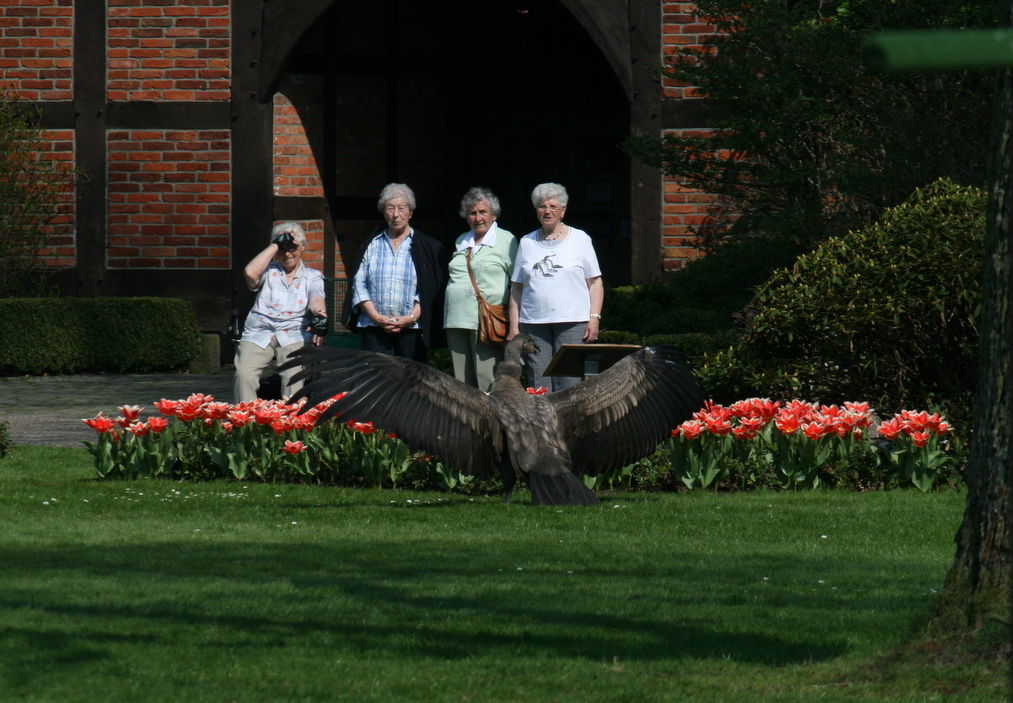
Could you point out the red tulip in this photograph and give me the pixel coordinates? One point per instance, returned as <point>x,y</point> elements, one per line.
<point>240,418</point>
<point>265,415</point>
<point>157,424</point>
<point>744,433</point>
<point>363,427</point>
<point>814,430</point>
<point>858,408</point>
<point>718,425</point>
<point>167,407</point>
<point>691,429</point>
<point>293,447</point>
<point>787,423</point>
<point>100,423</point>
<point>891,428</point>
<point>130,412</point>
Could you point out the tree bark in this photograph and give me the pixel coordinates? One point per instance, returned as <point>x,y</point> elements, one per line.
<point>977,588</point>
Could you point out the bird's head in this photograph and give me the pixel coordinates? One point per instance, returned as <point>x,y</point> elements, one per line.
<point>521,344</point>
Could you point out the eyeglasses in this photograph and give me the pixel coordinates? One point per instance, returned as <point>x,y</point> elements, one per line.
<point>548,208</point>
<point>399,209</point>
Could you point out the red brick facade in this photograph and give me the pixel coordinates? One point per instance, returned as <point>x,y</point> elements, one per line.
<point>35,48</point>
<point>59,146</point>
<point>179,77</point>
<point>175,50</point>
<point>683,207</point>
<point>169,199</point>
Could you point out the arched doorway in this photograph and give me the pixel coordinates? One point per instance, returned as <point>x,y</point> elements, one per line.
<point>448,94</point>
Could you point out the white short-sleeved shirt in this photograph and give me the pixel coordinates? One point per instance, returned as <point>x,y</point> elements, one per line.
<point>554,276</point>
<point>280,306</point>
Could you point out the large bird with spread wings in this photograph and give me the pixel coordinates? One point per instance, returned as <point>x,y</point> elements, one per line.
<point>604,423</point>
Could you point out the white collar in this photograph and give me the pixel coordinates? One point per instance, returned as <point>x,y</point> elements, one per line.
<point>489,240</point>
<point>383,233</point>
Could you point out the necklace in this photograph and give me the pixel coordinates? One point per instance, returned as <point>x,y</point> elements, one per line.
<point>554,235</point>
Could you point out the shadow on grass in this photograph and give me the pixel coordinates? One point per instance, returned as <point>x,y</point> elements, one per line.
<point>431,600</point>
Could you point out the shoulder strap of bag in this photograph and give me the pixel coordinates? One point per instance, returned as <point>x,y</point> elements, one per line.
<point>472,277</point>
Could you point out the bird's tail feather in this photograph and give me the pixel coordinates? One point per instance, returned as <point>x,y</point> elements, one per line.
<point>562,489</point>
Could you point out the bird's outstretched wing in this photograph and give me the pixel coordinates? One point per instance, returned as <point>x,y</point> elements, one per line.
<point>620,416</point>
<point>427,409</point>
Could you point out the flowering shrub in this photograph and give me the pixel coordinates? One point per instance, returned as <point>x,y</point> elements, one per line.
<point>796,442</point>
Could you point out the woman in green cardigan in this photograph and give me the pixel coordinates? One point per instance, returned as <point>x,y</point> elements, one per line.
<point>493,251</point>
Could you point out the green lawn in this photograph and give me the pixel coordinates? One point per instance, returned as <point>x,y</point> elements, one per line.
<point>159,591</point>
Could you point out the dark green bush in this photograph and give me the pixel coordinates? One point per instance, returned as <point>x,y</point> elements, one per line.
<point>693,345</point>
<point>5,440</point>
<point>886,315</point>
<point>702,298</point>
<point>75,335</point>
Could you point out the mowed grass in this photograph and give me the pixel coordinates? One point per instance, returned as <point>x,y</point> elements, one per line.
<point>161,591</point>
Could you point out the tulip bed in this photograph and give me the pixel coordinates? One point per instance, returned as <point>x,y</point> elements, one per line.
<point>752,443</point>
<point>799,444</point>
<point>201,438</point>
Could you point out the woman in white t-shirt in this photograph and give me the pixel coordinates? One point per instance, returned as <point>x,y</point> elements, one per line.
<point>556,290</point>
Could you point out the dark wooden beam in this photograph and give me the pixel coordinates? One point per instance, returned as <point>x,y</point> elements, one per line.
<point>90,144</point>
<point>646,185</point>
<point>288,21</point>
<point>679,113</point>
<point>55,114</point>
<point>252,155</point>
<point>299,208</point>
<point>165,114</point>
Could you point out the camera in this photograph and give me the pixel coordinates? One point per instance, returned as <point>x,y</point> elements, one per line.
<point>285,241</point>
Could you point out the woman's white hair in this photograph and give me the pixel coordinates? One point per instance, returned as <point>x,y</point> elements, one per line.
<point>396,190</point>
<point>293,228</point>
<point>479,195</point>
<point>546,191</point>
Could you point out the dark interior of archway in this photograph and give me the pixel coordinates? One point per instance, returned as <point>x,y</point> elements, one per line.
<point>447,94</point>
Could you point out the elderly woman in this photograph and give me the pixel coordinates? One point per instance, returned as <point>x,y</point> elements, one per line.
<point>556,291</point>
<point>289,294</point>
<point>490,253</point>
<point>397,283</point>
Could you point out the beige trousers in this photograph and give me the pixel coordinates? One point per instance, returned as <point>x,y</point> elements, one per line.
<point>251,361</point>
<point>474,362</point>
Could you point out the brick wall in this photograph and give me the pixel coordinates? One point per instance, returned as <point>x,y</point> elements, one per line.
<point>683,207</point>
<point>169,199</point>
<point>58,145</point>
<point>169,192</point>
<point>35,48</point>
<point>298,111</point>
<point>168,50</point>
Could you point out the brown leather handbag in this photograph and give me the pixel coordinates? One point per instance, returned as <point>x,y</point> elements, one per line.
<point>492,319</point>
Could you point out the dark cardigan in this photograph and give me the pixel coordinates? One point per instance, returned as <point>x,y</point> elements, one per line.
<point>430,270</point>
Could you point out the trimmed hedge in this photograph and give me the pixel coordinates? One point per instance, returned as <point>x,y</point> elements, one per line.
<point>89,335</point>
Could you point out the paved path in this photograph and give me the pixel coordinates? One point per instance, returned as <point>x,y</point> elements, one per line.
<point>47,410</point>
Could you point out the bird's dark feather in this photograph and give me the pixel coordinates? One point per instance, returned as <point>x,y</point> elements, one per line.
<point>427,409</point>
<point>621,415</point>
<point>604,423</point>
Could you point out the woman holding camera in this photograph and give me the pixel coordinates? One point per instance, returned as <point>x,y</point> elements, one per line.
<point>290,310</point>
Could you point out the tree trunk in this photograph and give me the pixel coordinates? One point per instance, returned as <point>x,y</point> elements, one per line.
<point>977,588</point>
